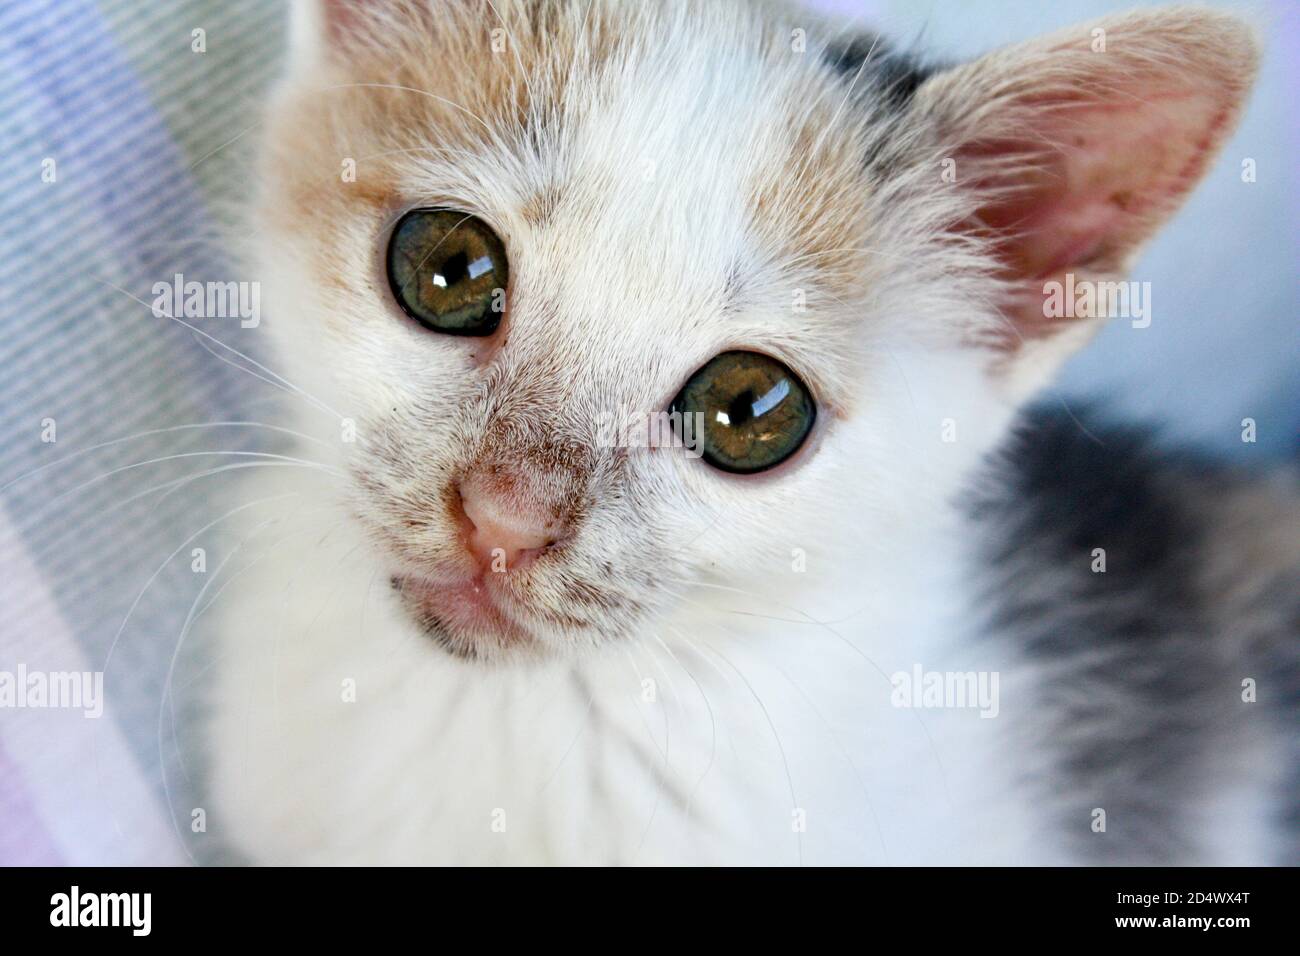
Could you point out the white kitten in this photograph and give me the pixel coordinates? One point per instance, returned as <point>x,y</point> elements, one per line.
<point>492,637</point>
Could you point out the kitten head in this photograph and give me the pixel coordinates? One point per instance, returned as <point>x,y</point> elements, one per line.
<point>494,234</point>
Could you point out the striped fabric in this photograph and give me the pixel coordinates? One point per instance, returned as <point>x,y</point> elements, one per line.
<point>109,101</point>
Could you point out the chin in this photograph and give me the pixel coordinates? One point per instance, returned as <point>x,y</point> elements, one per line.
<point>464,619</point>
<point>480,619</point>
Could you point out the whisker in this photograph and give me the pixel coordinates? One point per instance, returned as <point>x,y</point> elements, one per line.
<point>215,521</point>
<point>519,61</point>
<point>789,778</point>
<point>112,647</point>
<point>46,505</point>
<point>713,726</point>
<point>662,771</point>
<point>830,732</point>
<point>410,89</point>
<point>238,136</point>
<point>311,399</point>
<point>180,639</point>
<point>816,148</point>
<point>645,721</point>
<point>582,728</point>
<point>180,483</point>
<point>156,431</point>
<point>229,580</point>
<point>50,542</point>
<point>666,751</point>
<point>279,632</point>
<point>235,365</point>
<point>809,619</point>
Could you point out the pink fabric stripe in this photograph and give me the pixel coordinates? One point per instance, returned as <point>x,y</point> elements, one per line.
<point>73,778</point>
<point>24,841</point>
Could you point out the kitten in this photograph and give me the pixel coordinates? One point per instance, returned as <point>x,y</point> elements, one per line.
<point>863,616</point>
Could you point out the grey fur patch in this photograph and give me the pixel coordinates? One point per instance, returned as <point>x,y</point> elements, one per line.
<point>892,75</point>
<point>883,81</point>
<point>1140,694</point>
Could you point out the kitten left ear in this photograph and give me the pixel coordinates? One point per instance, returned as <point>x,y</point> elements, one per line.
<point>1079,145</point>
<point>317,27</point>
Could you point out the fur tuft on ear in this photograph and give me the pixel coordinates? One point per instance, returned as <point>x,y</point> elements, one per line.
<point>1079,145</point>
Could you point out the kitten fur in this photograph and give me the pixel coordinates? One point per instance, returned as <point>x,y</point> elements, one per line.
<point>709,679</point>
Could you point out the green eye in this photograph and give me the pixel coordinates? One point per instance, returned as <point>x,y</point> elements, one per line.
<point>448,271</point>
<point>756,411</point>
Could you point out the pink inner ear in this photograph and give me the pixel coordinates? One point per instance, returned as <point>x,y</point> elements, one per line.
<point>1113,170</point>
<point>343,18</point>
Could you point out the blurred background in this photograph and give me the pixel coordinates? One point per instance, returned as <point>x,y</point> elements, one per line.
<point>123,149</point>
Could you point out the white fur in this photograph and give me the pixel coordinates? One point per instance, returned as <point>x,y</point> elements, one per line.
<point>771,686</point>
<point>781,685</point>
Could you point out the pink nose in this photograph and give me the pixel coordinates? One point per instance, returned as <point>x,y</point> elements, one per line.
<point>504,533</point>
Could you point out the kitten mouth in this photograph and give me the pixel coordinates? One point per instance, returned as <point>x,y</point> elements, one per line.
<point>460,615</point>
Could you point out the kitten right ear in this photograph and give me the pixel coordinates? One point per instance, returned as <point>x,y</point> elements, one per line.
<point>1078,146</point>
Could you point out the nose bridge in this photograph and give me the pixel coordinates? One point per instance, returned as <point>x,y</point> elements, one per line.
<point>534,399</point>
<point>532,458</point>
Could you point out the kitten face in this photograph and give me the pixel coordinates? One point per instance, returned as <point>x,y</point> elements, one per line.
<point>664,192</point>
<point>639,248</point>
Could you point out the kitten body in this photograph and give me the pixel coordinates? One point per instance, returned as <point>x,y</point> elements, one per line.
<point>720,669</point>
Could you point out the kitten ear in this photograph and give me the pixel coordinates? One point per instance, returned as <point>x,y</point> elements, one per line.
<point>1081,144</point>
<point>317,27</point>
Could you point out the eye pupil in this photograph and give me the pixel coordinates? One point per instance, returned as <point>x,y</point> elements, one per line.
<point>452,271</point>
<point>448,270</point>
<point>756,412</point>
<point>741,410</point>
